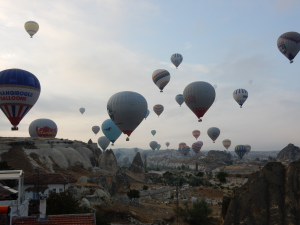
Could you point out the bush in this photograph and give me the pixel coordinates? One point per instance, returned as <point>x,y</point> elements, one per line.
<point>197,214</point>
<point>133,194</point>
<point>238,175</point>
<point>215,187</point>
<point>222,176</point>
<point>145,187</point>
<point>200,174</point>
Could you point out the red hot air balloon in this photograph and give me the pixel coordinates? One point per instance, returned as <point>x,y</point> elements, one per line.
<point>19,91</point>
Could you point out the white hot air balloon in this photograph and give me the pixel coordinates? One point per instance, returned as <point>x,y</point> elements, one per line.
<point>95,129</point>
<point>199,96</point>
<point>289,44</point>
<point>161,78</point>
<point>153,145</point>
<point>43,128</point>
<point>179,99</point>
<point>103,142</point>
<point>240,96</point>
<point>127,109</point>
<point>176,59</point>
<point>82,110</point>
<point>213,133</point>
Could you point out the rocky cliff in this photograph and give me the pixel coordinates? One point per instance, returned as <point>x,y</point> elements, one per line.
<point>108,162</point>
<point>290,153</point>
<point>270,196</point>
<point>136,169</point>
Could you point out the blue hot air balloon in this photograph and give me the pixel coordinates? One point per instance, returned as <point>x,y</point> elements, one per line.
<point>118,154</point>
<point>110,130</point>
<point>147,114</point>
<point>19,91</point>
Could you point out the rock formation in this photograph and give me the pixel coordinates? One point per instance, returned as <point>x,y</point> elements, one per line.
<point>136,169</point>
<point>219,155</point>
<point>290,152</point>
<point>270,196</point>
<point>120,186</point>
<point>108,162</point>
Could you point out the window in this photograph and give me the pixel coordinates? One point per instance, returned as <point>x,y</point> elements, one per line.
<point>60,190</point>
<point>54,190</point>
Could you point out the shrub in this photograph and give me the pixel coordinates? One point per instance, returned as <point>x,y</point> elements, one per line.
<point>238,175</point>
<point>145,187</point>
<point>222,176</point>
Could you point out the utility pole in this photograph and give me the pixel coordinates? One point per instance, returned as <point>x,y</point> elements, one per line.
<point>38,186</point>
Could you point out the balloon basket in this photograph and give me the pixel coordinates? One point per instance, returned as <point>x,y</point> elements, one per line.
<point>200,120</point>
<point>112,144</point>
<point>161,91</point>
<point>127,139</point>
<point>14,128</point>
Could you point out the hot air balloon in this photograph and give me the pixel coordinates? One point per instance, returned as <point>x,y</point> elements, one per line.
<point>179,99</point>
<point>43,128</point>
<point>158,109</point>
<point>127,110</point>
<point>167,144</point>
<point>185,150</point>
<point>240,150</point>
<point>103,142</point>
<point>118,154</point>
<point>197,146</point>
<point>82,110</point>
<point>136,150</point>
<point>240,96</point>
<point>250,81</point>
<point>248,148</point>
<point>125,159</point>
<point>161,78</point>
<point>158,146</point>
<point>289,44</point>
<point>199,96</point>
<point>153,132</point>
<point>31,27</point>
<point>95,129</point>
<point>181,144</point>
<point>213,133</point>
<point>147,114</point>
<point>196,133</point>
<point>110,130</point>
<point>19,91</point>
<point>215,86</point>
<point>153,145</point>
<point>226,143</point>
<point>176,59</point>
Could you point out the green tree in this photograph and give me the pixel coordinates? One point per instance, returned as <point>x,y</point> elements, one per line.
<point>183,167</point>
<point>197,214</point>
<point>222,176</point>
<point>5,166</point>
<point>145,187</point>
<point>200,174</point>
<point>133,193</point>
<point>196,166</point>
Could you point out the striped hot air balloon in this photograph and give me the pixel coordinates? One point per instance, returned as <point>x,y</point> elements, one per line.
<point>158,109</point>
<point>181,144</point>
<point>226,143</point>
<point>179,99</point>
<point>248,147</point>
<point>289,44</point>
<point>19,91</point>
<point>176,59</point>
<point>240,150</point>
<point>31,27</point>
<point>161,78</point>
<point>197,146</point>
<point>95,129</point>
<point>185,150</point>
<point>196,133</point>
<point>240,96</point>
<point>199,96</point>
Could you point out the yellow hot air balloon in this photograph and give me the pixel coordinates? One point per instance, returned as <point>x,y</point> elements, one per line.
<point>31,27</point>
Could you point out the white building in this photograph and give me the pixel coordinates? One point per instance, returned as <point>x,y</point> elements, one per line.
<point>45,183</point>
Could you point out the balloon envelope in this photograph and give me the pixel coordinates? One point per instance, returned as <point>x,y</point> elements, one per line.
<point>185,150</point>
<point>240,96</point>
<point>110,130</point>
<point>158,109</point>
<point>176,59</point>
<point>127,110</point>
<point>181,144</point>
<point>19,91</point>
<point>82,110</point>
<point>179,99</point>
<point>153,145</point>
<point>213,133</point>
<point>153,132</point>
<point>95,129</point>
<point>147,114</point>
<point>199,96</point>
<point>31,27</point>
<point>289,44</point>
<point>226,143</point>
<point>103,142</point>
<point>43,128</point>
<point>197,146</point>
<point>161,78</point>
<point>248,147</point>
<point>136,150</point>
<point>158,146</point>
<point>196,133</point>
<point>240,150</point>
<point>118,154</point>
<point>167,144</point>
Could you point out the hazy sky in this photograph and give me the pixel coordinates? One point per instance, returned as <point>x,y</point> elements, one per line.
<point>88,50</point>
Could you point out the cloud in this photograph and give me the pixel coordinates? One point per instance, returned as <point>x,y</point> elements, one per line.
<point>187,45</point>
